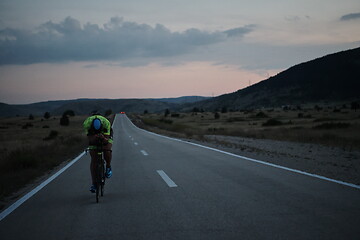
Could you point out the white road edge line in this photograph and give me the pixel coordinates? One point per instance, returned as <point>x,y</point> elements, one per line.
<point>38,188</point>
<point>144,153</point>
<point>255,160</point>
<point>166,178</point>
<point>18,203</point>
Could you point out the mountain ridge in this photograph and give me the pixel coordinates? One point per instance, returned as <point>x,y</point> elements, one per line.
<point>334,77</point>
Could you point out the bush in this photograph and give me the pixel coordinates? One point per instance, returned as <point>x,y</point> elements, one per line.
<point>47,115</point>
<point>261,115</point>
<point>272,122</point>
<point>69,113</point>
<point>52,135</point>
<point>332,125</point>
<point>216,115</point>
<point>27,125</point>
<point>31,117</point>
<point>64,121</point>
<point>167,121</point>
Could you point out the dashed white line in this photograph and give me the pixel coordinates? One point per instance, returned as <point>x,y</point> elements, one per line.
<point>144,153</point>
<point>166,178</point>
<point>254,160</point>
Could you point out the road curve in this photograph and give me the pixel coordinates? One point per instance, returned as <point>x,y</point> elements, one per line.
<point>166,189</point>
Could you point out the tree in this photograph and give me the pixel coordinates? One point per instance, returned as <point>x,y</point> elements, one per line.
<point>31,117</point>
<point>355,106</point>
<point>69,113</point>
<point>167,112</point>
<point>224,110</point>
<point>146,111</point>
<point>47,115</point>
<point>196,110</point>
<point>64,120</point>
<point>216,115</point>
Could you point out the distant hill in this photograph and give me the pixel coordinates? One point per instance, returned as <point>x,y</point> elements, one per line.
<point>86,106</point>
<point>335,77</point>
<point>182,100</point>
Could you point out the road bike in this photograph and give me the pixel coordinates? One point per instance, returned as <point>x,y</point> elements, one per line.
<point>99,172</point>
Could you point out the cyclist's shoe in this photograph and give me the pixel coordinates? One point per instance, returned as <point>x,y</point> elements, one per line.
<point>93,188</point>
<point>108,172</point>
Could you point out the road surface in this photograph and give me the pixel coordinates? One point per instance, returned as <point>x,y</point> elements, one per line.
<point>166,189</point>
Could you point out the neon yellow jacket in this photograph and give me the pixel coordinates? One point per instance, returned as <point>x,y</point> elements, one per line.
<point>106,130</point>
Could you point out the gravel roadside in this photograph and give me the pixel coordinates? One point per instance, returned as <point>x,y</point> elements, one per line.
<point>331,162</point>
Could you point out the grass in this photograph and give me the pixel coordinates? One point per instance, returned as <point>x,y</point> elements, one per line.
<point>337,129</point>
<point>31,148</point>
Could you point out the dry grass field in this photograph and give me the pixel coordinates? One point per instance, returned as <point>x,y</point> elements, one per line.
<point>324,141</point>
<point>328,126</point>
<point>31,148</point>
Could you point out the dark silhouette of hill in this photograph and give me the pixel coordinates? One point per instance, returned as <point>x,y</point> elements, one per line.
<point>335,77</point>
<point>86,106</point>
<point>182,100</point>
<point>331,78</point>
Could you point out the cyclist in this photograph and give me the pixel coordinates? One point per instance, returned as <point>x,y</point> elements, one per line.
<point>98,129</point>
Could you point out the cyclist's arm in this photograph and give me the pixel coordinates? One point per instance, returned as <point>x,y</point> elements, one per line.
<point>107,127</point>
<point>87,125</point>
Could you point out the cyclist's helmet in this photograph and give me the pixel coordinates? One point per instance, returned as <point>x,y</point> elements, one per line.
<point>96,124</point>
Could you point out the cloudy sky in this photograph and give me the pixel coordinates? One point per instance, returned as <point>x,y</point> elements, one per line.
<point>67,49</point>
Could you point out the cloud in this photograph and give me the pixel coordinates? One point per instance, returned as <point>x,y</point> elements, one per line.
<point>115,40</point>
<point>350,16</point>
<point>239,32</point>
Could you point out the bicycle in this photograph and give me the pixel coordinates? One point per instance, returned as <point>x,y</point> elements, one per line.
<point>99,172</point>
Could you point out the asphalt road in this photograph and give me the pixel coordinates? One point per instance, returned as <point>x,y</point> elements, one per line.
<point>166,189</point>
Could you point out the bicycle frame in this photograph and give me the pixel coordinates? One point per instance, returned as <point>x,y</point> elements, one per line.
<point>99,172</point>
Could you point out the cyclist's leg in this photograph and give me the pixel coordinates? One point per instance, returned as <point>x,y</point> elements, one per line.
<point>108,154</point>
<point>93,155</point>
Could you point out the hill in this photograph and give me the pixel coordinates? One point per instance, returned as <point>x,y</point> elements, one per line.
<point>331,78</point>
<point>86,106</point>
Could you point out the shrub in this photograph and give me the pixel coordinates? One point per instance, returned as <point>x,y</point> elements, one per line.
<point>52,135</point>
<point>27,125</point>
<point>69,113</point>
<point>167,112</point>
<point>64,121</point>
<point>332,125</point>
<point>195,109</point>
<point>47,115</point>
<point>31,117</point>
<point>175,115</point>
<point>167,121</point>
<point>216,115</point>
<point>272,122</point>
<point>261,115</point>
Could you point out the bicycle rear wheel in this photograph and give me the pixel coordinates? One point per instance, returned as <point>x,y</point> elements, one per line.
<point>102,186</point>
<point>99,173</point>
<point>97,194</point>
